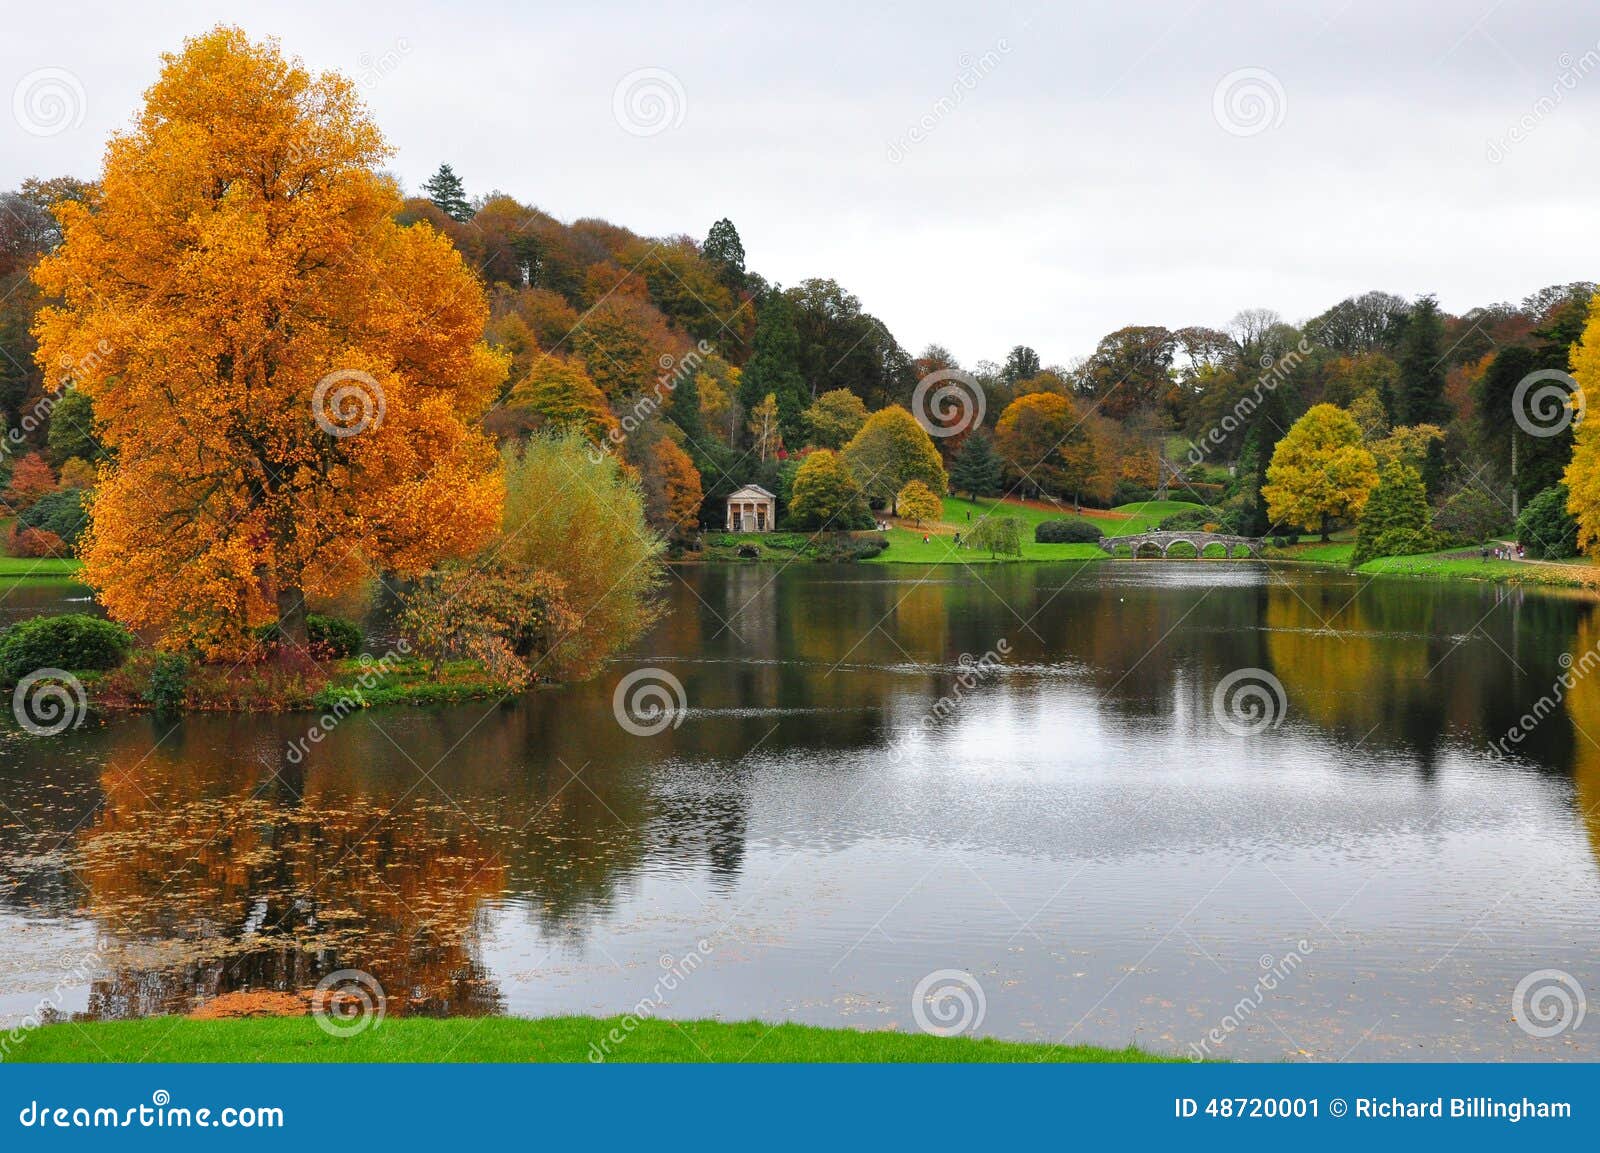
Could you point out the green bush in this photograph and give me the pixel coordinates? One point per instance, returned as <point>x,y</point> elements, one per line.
<point>60,512</point>
<point>1546,529</point>
<point>1189,520</point>
<point>169,682</point>
<point>74,642</point>
<point>839,548</point>
<point>335,636</point>
<point>1067,532</point>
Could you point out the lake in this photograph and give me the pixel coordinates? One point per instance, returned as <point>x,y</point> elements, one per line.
<point>1007,799</point>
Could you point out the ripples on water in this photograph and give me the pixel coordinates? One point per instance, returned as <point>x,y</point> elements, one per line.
<point>1072,827</point>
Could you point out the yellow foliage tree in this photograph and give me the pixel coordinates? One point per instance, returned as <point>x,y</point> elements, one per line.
<point>285,374</point>
<point>918,503</point>
<point>1320,470</point>
<point>1583,473</point>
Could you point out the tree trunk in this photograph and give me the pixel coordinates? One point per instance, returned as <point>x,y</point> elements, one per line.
<point>292,619</point>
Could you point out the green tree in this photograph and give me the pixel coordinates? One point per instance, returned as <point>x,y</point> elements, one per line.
<point>891,449</point>
<point>1395,521</point>
<point>774,367</point>
<point>1022,363</point>
<point>725,251</point>
<point>1546,529</point>
<point>976,469</point>
<point>999,535</point>
<point>72,428</point>
<point>825,495</point>
<point>1419,396</point>
<point>594,540</point>
<point>918,503</point>
<point>835,417</point>
<point>1471,516</point>
<point>1320,471</point>
<point>448,194</point>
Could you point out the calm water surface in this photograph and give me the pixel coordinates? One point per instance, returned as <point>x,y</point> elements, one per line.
<point>817,834</point>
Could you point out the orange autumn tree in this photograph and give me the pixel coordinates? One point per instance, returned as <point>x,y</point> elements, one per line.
<point>286,376</point>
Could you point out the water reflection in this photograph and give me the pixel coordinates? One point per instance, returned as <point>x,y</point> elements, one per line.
<point>1076,829</point>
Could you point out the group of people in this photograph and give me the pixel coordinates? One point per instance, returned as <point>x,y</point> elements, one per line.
<point>1505,552</point>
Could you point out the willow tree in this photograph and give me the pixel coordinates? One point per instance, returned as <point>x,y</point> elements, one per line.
<point>285,376</point>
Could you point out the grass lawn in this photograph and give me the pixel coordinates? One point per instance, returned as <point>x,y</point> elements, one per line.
<point>1332,552</point>
<point>906,547</point>
<point>1119,521</point>
<point>510,1039</point>
<point>1471,566</point>
<point>12,567</point>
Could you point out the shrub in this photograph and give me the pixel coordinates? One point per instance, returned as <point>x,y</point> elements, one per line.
<point>1189,520</point>
<point>168,683</point>
<point>1546,529</point>
<point>31,543</point>
<point>1067,532</point>
<point>334,637</point>
<point>74,642</point>
<point>60,512</point>
<point>1000,535</point>
<point>840,548</point>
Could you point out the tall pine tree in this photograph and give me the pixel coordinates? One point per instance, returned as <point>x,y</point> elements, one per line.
<point>1419,396</point>
<point>448,194</point>
<point>774,366</point>
<point>725,251</point>
<point>976,469</point>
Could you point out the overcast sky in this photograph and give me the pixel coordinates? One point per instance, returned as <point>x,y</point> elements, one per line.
<point>978,174</point>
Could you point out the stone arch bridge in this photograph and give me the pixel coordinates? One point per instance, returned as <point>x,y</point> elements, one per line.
<point>1200,541</point>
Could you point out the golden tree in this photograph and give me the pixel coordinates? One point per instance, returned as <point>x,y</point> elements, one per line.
<point>1583,473</point>
<point>285,374</point>
<point>1320,470</point>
